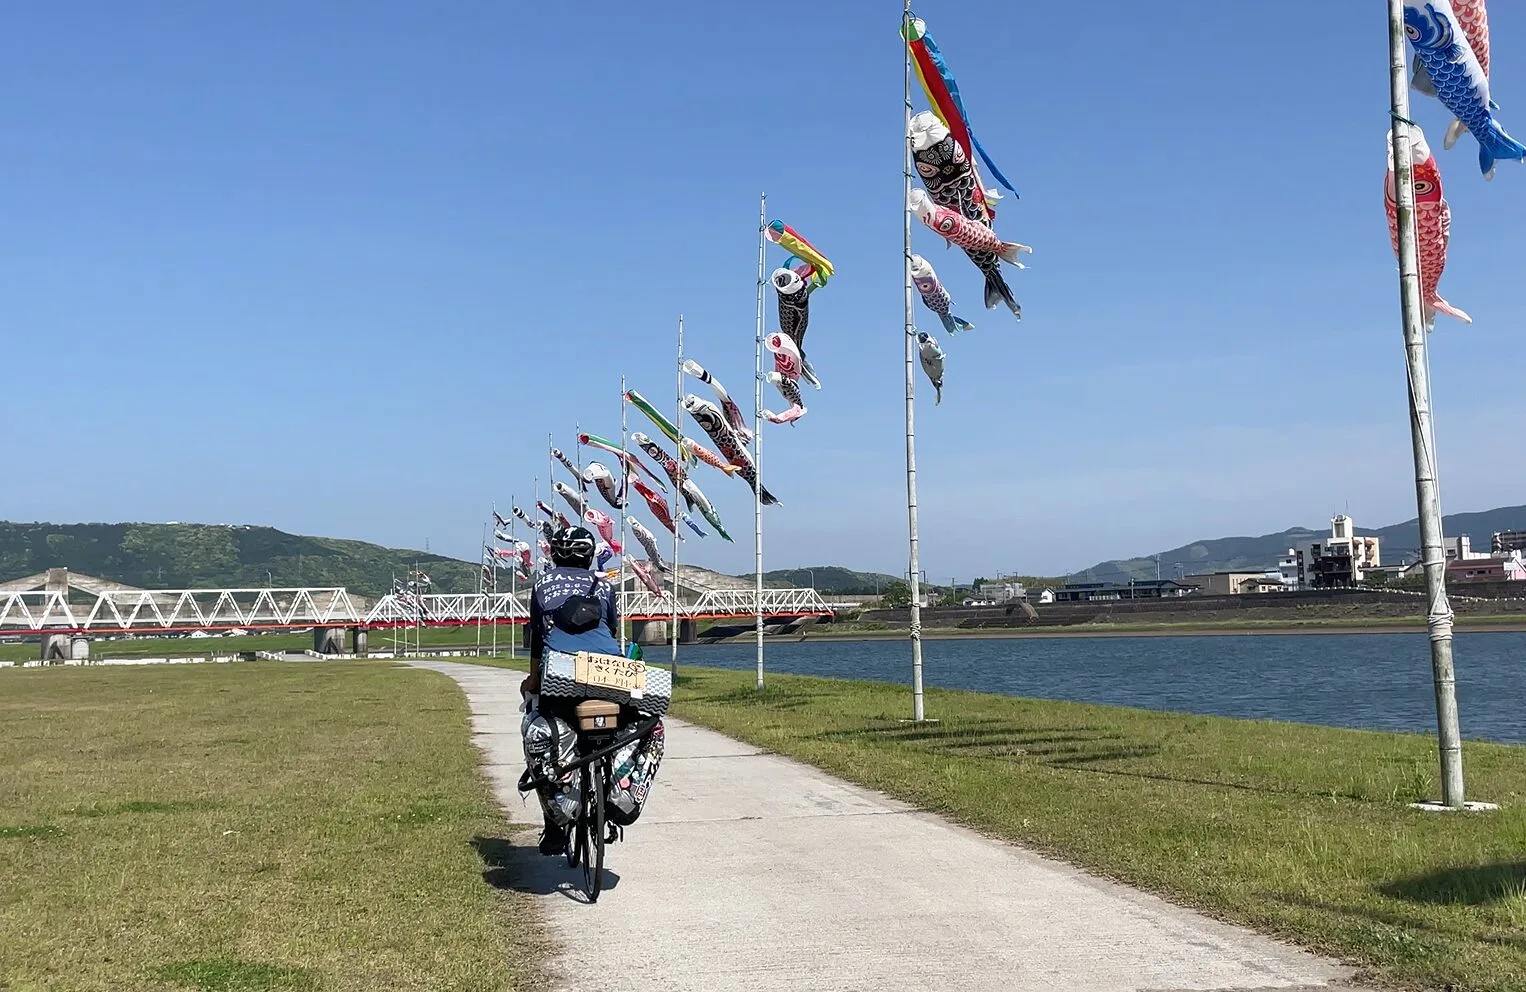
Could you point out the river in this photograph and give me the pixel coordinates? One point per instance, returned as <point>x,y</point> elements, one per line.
<point>1368,681</point>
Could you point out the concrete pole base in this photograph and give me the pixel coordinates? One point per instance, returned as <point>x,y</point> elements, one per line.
<point>1435,806</point>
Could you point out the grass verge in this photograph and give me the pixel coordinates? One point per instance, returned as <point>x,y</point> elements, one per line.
<point>1299,831</point>
<point>248,827</point>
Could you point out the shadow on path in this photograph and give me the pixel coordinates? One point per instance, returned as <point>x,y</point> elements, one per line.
<point>522,868</point>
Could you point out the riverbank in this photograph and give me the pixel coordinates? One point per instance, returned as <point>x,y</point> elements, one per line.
<point>1302,832</point>
<point>1504,624</point>
<point>252,826</point>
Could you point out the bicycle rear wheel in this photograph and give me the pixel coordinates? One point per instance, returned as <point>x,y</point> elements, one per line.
<point>594,830</point>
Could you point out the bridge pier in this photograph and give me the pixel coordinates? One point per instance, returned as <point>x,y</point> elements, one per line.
<point>688,631</point>
<point>328,640</point>
<point>358,640</point>
<point>55,648</point>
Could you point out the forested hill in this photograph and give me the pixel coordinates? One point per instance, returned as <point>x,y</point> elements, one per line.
<point>181,556</point>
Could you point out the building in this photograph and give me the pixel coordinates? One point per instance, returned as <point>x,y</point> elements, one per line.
<point>1101,592</point>
<point>1506,541</point>
<point>1487,569</point>
<point>1222,583</point>
<point>1341,560</point>
<point>1269,582</point>
<point>1461,549</point>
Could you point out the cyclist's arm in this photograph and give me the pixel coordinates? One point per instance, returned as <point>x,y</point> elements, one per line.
<point>612,613</point>
<point>537,643</point>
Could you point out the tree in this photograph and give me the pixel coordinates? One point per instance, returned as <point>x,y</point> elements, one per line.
<point>896,595</point>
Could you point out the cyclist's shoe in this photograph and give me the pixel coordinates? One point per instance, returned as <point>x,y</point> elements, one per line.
<point>553,840</point>
<point>616,832</point>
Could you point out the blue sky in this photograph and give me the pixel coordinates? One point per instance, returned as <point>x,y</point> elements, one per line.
<point>339,268</point>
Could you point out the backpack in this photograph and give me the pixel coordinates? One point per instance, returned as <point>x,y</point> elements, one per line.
<point>580,614</point>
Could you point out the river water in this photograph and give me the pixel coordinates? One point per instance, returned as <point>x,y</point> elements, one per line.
<point>1369,681</point>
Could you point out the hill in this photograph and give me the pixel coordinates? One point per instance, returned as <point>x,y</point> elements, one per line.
<point>1254,553</point>
<point>180,556</point>
<point>829,580</point>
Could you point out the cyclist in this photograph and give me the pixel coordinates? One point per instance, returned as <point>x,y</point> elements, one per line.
<point>572,608</point>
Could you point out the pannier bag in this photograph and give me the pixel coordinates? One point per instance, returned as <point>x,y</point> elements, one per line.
<point>545,736</point>
<point>635,767</point>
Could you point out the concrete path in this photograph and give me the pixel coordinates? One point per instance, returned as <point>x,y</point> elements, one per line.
<point>750,871</point>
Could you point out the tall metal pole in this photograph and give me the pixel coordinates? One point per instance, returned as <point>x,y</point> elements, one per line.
<point>482,585</point>
<point>624,448</point>
<point>757,441</point>
<point>914,573</point>
<point>678,414</point>
<point>1427,489</point>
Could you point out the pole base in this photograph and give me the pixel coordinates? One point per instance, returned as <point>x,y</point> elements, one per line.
<point>1432,806</point>
<point>925,719</point>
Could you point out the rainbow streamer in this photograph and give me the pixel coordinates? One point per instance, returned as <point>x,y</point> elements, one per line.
<point>789,239</point>
<point>943,96</point>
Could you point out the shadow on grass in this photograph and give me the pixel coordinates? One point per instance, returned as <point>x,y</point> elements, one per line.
<point>1091,750</point>
<point>1468,885</point>
<point>522,868</point>
<point>234,975</point>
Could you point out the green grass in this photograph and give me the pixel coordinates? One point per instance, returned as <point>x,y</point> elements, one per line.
<point>1302,832</point>
<point>260,826</point>
<point>191,647</point>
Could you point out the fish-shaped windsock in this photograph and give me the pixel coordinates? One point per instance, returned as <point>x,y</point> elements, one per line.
<point>522,515</point>
<point>728,405</point>
<point>787,360</point>
<point>567,464</point>
<point>951,182</point>
<point>653,414</point>
<point>631,462</point>
<point>545,508</point>
<point>962,231</point>
<point>601,522</point>
<point>791,393</point>
<point>794,315</point>
<point>522,551</point>
<point>602,554</point>
<point>544,545</point>
<point>1475,24</point>
<point>503,535</point>
<point>935,296</point>
<point>1442,48</point>
<point>932,362</point>
<point>648,542</point>
<point>602,479</point>
<point>699,501</point>
<point>656,504</point>
<point>688,522</point>
<point>713,423</point>
<point>572,496</point>
<point>1433,226</point>
<point>696,450</point>
<point>672,466</point>
<point>499,520</point>
<point>789,239</point>
<point>645,575</point>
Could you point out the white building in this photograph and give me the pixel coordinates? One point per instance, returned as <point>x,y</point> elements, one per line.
<point>1342,559</point>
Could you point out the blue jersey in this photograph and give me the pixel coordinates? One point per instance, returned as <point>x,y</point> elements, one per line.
<point>553,590</point>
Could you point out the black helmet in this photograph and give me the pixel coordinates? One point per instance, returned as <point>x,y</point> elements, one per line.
<point>572,547</point>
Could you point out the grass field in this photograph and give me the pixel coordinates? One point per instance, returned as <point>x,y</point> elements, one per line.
<point>1299,831</point>
<point>257,826</point>
<point>186,647</point>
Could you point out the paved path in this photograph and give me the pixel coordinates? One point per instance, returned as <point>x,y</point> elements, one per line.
<point>750,871</point>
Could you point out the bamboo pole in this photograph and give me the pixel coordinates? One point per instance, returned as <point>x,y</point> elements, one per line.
<point>1427,486</point>
<point>914,571</point>
<point>757,441</point>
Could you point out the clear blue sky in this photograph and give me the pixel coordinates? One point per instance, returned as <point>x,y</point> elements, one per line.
<point>338,268</point>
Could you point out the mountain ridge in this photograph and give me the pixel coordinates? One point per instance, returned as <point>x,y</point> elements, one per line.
<point>1255,553</point>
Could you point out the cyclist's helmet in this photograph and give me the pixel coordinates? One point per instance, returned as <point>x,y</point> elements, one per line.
<point>572,547</point>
